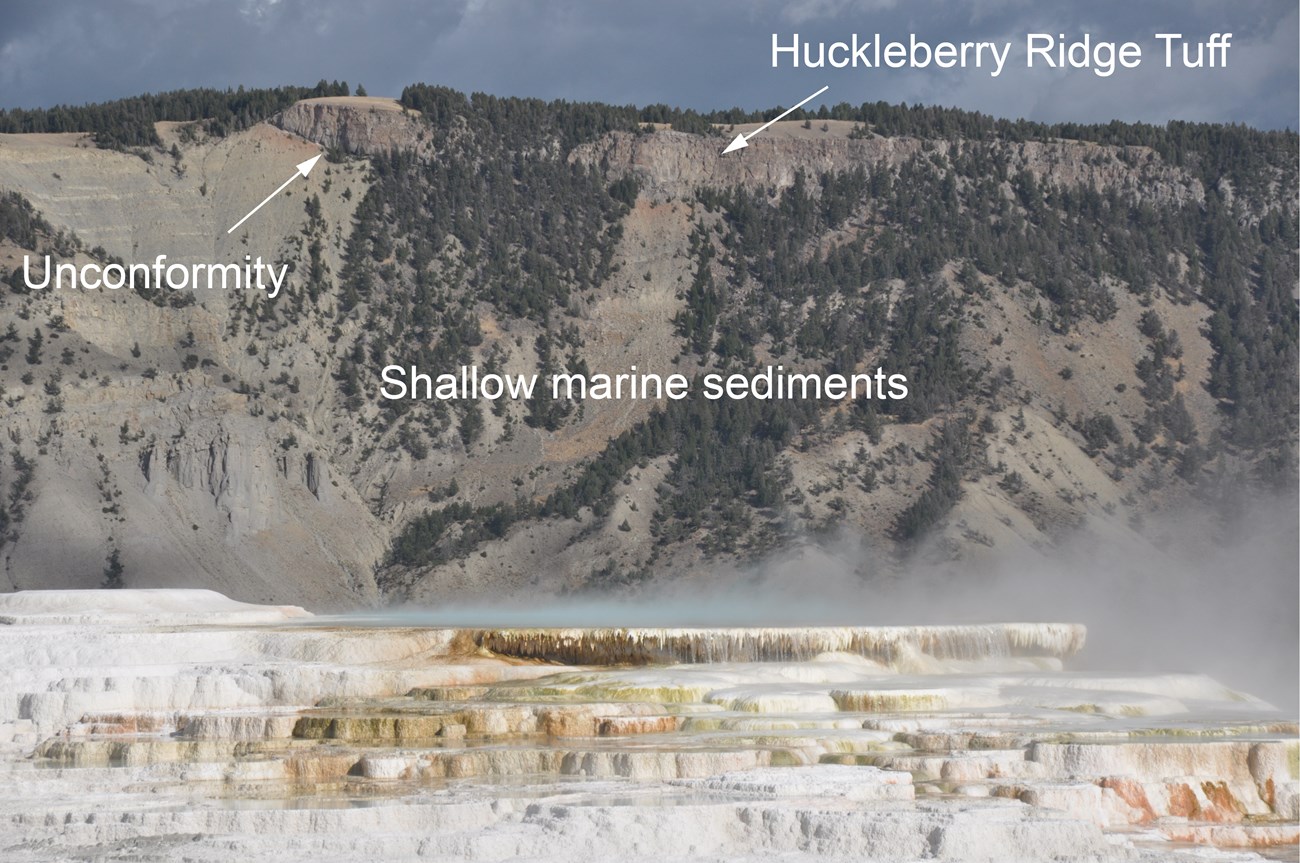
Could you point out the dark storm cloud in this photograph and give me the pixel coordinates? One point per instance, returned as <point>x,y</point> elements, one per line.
<point>91,50</point>
<point>703,55</point>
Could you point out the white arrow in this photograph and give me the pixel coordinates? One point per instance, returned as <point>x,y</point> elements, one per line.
<point>742,141</point>
<point>304,168</point>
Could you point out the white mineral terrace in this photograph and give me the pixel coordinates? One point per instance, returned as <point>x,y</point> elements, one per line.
<point>646,645</point>
<point>181,725</point>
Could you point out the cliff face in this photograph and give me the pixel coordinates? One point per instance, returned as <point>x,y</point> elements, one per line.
<point>242,445</point>
<point>677,164</point>
<point>672,163</point>
<point>355,125</point>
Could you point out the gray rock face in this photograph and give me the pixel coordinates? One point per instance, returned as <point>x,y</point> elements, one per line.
<point>674,164</point>
<point>351,125</point>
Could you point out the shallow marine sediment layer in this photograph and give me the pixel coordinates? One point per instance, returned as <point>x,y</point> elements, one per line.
<point>181,725</point>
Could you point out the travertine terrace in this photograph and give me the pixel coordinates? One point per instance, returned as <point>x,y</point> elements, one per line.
<point>182,725</point>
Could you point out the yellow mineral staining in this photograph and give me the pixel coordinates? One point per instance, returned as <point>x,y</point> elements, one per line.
<point>950,713</point>
<point>360,728</point>
<point>888,701</point>
<point>640,646</point>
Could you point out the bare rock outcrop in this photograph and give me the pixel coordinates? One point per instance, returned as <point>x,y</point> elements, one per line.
<point>353,124</point>
<point>674,164</point>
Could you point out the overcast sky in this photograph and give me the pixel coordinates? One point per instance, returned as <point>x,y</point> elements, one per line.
<point>691,53</point>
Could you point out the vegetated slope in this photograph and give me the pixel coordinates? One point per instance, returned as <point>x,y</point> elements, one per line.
<point>1097,323</point>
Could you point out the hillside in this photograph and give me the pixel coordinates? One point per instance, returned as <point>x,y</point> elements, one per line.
<point>1099,325</point>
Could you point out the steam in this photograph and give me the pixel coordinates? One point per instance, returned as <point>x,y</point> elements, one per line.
<point>1227,606</point>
